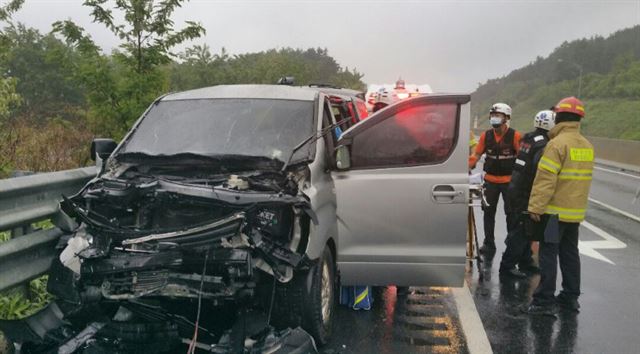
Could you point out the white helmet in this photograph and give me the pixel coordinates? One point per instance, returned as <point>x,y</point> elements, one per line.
<point>545,120</point>
<point>500,108</point>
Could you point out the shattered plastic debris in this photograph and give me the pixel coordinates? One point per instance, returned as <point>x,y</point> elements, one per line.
<point>69,256</point>
<point>79,340</point>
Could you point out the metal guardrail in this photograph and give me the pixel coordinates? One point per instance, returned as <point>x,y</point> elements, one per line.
<point>23,201</point>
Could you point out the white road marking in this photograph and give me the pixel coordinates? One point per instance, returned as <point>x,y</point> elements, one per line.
<point>616,172</point>
<point>477,340</point>
<point>610,207</point>
<point>588,248</point>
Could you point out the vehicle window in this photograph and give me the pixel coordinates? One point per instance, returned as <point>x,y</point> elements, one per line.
<point>252,127</point>
<point>362,110</point>
<point>341,112</point>
<point>414,136</point>
<point>353,119</point>
<point>336,112</point>
<point>328,120</point>
<point>346,116</point>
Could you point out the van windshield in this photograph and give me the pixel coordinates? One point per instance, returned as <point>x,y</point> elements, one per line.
<point>268,128</point>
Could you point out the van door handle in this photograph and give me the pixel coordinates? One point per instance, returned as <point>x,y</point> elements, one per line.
<point>447,193</point>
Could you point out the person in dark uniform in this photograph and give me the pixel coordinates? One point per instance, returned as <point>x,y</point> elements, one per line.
<point>518,251</point>
<point>500,144</point>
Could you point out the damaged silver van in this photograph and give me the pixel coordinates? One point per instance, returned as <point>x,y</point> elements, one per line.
<point>247,197</point>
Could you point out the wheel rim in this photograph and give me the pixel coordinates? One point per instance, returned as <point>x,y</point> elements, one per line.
<point>327,289</point>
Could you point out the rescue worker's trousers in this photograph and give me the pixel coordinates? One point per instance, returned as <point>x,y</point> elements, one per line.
<point>492,195</point>
<point>518,249</point>
<point>567,251</point>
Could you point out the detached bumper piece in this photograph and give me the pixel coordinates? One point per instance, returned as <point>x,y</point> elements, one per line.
<point>139,328</point>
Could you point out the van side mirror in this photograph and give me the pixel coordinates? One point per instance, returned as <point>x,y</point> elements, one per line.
<point>343,157</point>
<point>102,148</point>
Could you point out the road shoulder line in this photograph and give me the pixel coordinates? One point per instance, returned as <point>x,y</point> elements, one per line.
<point>612,208</point>
<point>618,165</point>
<point>477,340</point>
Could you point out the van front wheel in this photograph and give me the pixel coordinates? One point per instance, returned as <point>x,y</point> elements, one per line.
<point>320,300</point>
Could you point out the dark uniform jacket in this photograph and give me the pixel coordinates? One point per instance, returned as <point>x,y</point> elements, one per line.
<point>524,168</point>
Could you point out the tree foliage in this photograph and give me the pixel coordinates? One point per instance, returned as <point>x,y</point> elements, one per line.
<point>60,89</point>
<point>9,99</point>
<point>610,73</point>
<point>147,33</point>
<point>121,85</point>
<point>41,67</point>
<point>200,68</point>
<point>9,9</point>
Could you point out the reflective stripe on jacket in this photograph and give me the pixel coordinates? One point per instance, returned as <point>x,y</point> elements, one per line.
<point>563,179</point>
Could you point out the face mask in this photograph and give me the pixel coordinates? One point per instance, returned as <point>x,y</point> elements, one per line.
<point>495,121</point>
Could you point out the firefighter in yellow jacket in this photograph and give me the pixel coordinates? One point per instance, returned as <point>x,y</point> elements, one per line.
<point>559,198</point>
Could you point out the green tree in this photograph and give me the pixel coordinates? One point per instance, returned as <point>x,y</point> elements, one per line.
<point>198,67</point>
<point>349,79</point>
<point>8,96</point>
<point>9,99</point>
<point>43,68</point>
<point>9,9</point>
<point>120,86</point>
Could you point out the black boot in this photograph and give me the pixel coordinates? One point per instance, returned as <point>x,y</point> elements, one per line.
<point>512,273</point>
<point>540,310</point>
<point>530,269</point>
<point>568,303</point>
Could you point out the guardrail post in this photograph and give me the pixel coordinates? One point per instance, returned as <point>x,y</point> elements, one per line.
<point>23,289</point>
<point>21,231</point>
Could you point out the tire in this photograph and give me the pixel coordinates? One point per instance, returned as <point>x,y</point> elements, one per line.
<point>300,302</point>
<point>319,310</point>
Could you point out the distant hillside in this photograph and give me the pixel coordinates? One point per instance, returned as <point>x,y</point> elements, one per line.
<point>610,85</point>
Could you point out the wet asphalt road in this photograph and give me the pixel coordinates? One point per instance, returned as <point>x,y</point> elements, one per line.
<point>610,313</point>
<point>609,320</point>
<point>423,321</point>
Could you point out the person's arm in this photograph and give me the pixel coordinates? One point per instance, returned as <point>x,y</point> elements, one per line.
<point>518,176</point>
<point>479,150</point>
<point>537,156</point>
<point>544,185</point>
<point>516,141</point>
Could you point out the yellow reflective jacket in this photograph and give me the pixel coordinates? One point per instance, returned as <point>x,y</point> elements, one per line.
<point>564,174</point>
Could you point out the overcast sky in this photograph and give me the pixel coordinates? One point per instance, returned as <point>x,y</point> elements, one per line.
<point>451,45</point>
